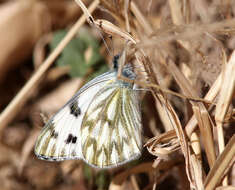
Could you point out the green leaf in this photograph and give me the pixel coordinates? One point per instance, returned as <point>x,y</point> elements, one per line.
<point>73,54</point>
<point>102,180</point>
<point>87,172</point>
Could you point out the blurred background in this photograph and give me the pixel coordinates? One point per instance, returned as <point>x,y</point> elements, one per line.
<point>31,29</point>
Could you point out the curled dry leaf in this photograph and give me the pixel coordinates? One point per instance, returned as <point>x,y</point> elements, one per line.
<point>163,144</point>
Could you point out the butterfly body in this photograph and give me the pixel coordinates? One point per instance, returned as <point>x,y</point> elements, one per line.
<point>101,124</point>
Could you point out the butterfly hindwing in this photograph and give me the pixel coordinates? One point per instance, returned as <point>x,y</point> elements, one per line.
<point>61,136</point>
<point>101,124</point>
<point>111,128</point>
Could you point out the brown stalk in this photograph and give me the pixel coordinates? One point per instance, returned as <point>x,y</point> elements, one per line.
<point>225,98</point>
<point>139,16</point>
<point>20,99</point>
<point>186,32</point>
<point>200,112</point>
<point>172,116</point>
<point>221,166</point>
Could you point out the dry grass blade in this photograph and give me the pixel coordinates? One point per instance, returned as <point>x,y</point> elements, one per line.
<point>105,25</point>
<point>159,96</point>
<point>200,112</point>
<point>198,172</point>
<point>147,167</point>
<point>178,18</point>
<point>187,32</point>
<point>210,96</point>
<point>225,98</point>
<point>163,144</point>
<point>222,164</point>
<point>184,146</point>
<point>225,188</point>
<point>15,105</point>
<point>120,178</point>
<point>144,23</point>
<point>111,29</point>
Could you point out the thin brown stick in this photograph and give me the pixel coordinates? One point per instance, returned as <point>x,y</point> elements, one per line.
<point>222,164</point>
<point>19,100</point>
<point>147,27</point>
<point>226,93</point>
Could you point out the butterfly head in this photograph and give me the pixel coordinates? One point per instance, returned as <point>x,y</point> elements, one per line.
<point>127,70</point>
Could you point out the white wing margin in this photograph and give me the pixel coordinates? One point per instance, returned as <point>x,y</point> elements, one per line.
<point>60,139</point>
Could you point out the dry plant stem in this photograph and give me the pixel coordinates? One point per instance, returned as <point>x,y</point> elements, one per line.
<point>134,182</point>
<point>105,25</point>
<point>163,117</point>
<point>192,124</point>
<point>200,112</point>
<point>225,98</point>
<point>197,168</point>
<point>39,50</point>
<point>179,19</point>
<point>176,11</point>
<point>183,142</point>
<point>142,168</point>
<point>157,87</point>
<point>15,105</point>
<point>146,26</point>
<point>190,31</point>
<point>112,29</point>
<point>222,164</point>
<point>229,187</point>
<point>202,7</point>
<point>194,139</point>
<point>159,96</point>
<point>210,96</point>
<point>126,9</point>
<point>86,11</point>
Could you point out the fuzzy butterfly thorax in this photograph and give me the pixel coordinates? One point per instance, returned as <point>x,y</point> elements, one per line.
<point>101,124</point>
<point>127,70</point>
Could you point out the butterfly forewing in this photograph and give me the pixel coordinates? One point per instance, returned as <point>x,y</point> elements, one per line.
<point>61,136</point>
<point>111,128</point>
<point>101,124</point>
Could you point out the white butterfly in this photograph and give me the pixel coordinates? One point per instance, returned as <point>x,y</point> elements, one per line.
<point>101,124</point>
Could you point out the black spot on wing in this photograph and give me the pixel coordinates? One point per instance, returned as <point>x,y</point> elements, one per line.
<point>74,140</point>
<point>71,139</point>
<point>54,134</point>
<point>74,108</point>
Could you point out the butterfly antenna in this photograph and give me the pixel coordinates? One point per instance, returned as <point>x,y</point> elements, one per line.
<point>106,45</point>
<point>112,45</point>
